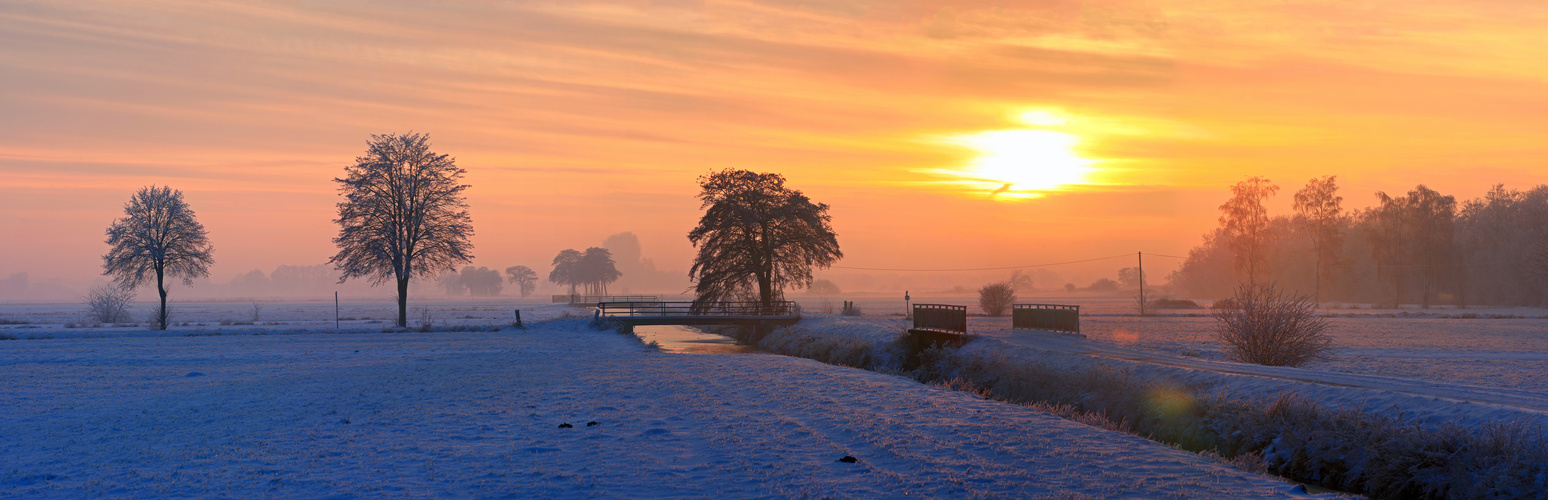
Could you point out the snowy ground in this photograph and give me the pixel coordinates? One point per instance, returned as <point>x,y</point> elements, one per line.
<point>1504,348</point>
<point>1426,400</point>
<point>295,409</point>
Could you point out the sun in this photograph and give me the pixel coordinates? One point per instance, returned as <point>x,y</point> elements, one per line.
<point>1021,163</point>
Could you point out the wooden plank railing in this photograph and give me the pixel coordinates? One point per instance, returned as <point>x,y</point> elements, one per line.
<point>941,317</point>
<point>1056,317</point>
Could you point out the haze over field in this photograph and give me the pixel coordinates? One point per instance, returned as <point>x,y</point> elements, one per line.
<point>943,134</point>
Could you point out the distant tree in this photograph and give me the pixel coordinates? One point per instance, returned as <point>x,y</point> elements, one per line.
<point>567,269</point>
<point>1129,277</point>
<point>1388,231</point>
<point>159,236</point>
<point>481,281</point>
<point>996,298</point>
<point>1433,218</point>
<point>1019,281</point>
<point>452,283</point>
<point>597,270</point>
<point>1104,285</point>
<point>1246,221</point>
<point>824,287</point>
<point>524,276</point>
<point>756,237</point>
<point>1317,206</point>
<point>404,215</point>
<point>1069,288</point>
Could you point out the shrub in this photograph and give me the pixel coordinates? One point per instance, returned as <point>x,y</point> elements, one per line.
<point>1270,327</point>
<point>109,304</point>
<point>996,298</point>
<point>1171,303</point>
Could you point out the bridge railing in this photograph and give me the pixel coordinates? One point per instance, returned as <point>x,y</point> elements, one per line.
<point>656,308</point>
<point>941,317</point>
<point>592,299</point>
<point>1056,317</point>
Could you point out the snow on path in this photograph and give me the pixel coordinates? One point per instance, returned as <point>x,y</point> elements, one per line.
<point>476,414</point>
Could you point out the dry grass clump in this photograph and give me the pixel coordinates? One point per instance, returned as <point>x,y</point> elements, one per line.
<point>996,298</point>
<point>1267,326</point>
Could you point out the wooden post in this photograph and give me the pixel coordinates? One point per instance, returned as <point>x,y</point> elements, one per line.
<point>335,310</point>
<point>1142,282</point>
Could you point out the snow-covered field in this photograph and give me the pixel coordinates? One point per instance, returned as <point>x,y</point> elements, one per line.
<point>297,409</point>
<point>1504,348</point>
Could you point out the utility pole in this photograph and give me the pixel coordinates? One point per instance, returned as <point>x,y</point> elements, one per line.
<point>1142,282</point>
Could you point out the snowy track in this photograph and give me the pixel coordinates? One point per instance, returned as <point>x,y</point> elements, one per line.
<point>477,414</point>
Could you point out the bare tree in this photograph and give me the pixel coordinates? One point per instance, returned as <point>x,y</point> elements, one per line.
<point>1266,326</point>
<point>158,235</point>
<point>756,237</point>
<point>524,277</point>
<point>404,215</point>
<point>109,303</point>
<point>1317,204</point>
<point>1246,221</point>
<point>996,298</point>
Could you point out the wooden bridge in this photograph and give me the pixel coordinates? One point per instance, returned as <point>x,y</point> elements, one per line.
<point>782,313</point>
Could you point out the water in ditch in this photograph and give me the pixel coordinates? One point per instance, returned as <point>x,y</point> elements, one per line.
<point>675,338</point>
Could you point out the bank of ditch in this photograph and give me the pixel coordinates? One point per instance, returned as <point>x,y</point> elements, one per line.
<point>1344,449</point>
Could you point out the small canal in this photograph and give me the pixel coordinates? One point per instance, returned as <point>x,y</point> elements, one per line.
<point>675,338</point>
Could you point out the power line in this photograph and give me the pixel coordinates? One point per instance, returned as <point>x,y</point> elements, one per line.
<point>996,268</point>
<point>982,268</point>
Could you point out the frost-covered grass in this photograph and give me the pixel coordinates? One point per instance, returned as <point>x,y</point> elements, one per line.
<point>319,413</point>
<point>1344,448</point>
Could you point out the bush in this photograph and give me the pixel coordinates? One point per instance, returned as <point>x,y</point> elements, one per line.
<point>1170,303</point>
<point>996,298</point>
<point>109,304</point>
<point>1270,327</point>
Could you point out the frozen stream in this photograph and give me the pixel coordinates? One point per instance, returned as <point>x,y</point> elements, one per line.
<point>676,338</point>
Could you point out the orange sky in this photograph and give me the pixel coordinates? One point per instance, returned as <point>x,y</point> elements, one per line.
<point>579,119</point>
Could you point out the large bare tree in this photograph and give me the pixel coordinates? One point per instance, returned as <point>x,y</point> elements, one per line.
<point>757,237</point>
<point>1317,204</point>
<point>1246,221</point>
<point>159,236</point>
<point>403,216</point>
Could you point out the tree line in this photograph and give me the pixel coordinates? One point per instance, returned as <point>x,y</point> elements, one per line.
<point>405,216</point>
<point>1419,247</point>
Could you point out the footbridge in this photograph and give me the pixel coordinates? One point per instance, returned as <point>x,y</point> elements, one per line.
<point>757,314</point>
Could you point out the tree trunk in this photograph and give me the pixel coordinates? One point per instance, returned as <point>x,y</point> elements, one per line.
<point>162,290</point>
<point>403,302</point>
<point>765,291</point>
